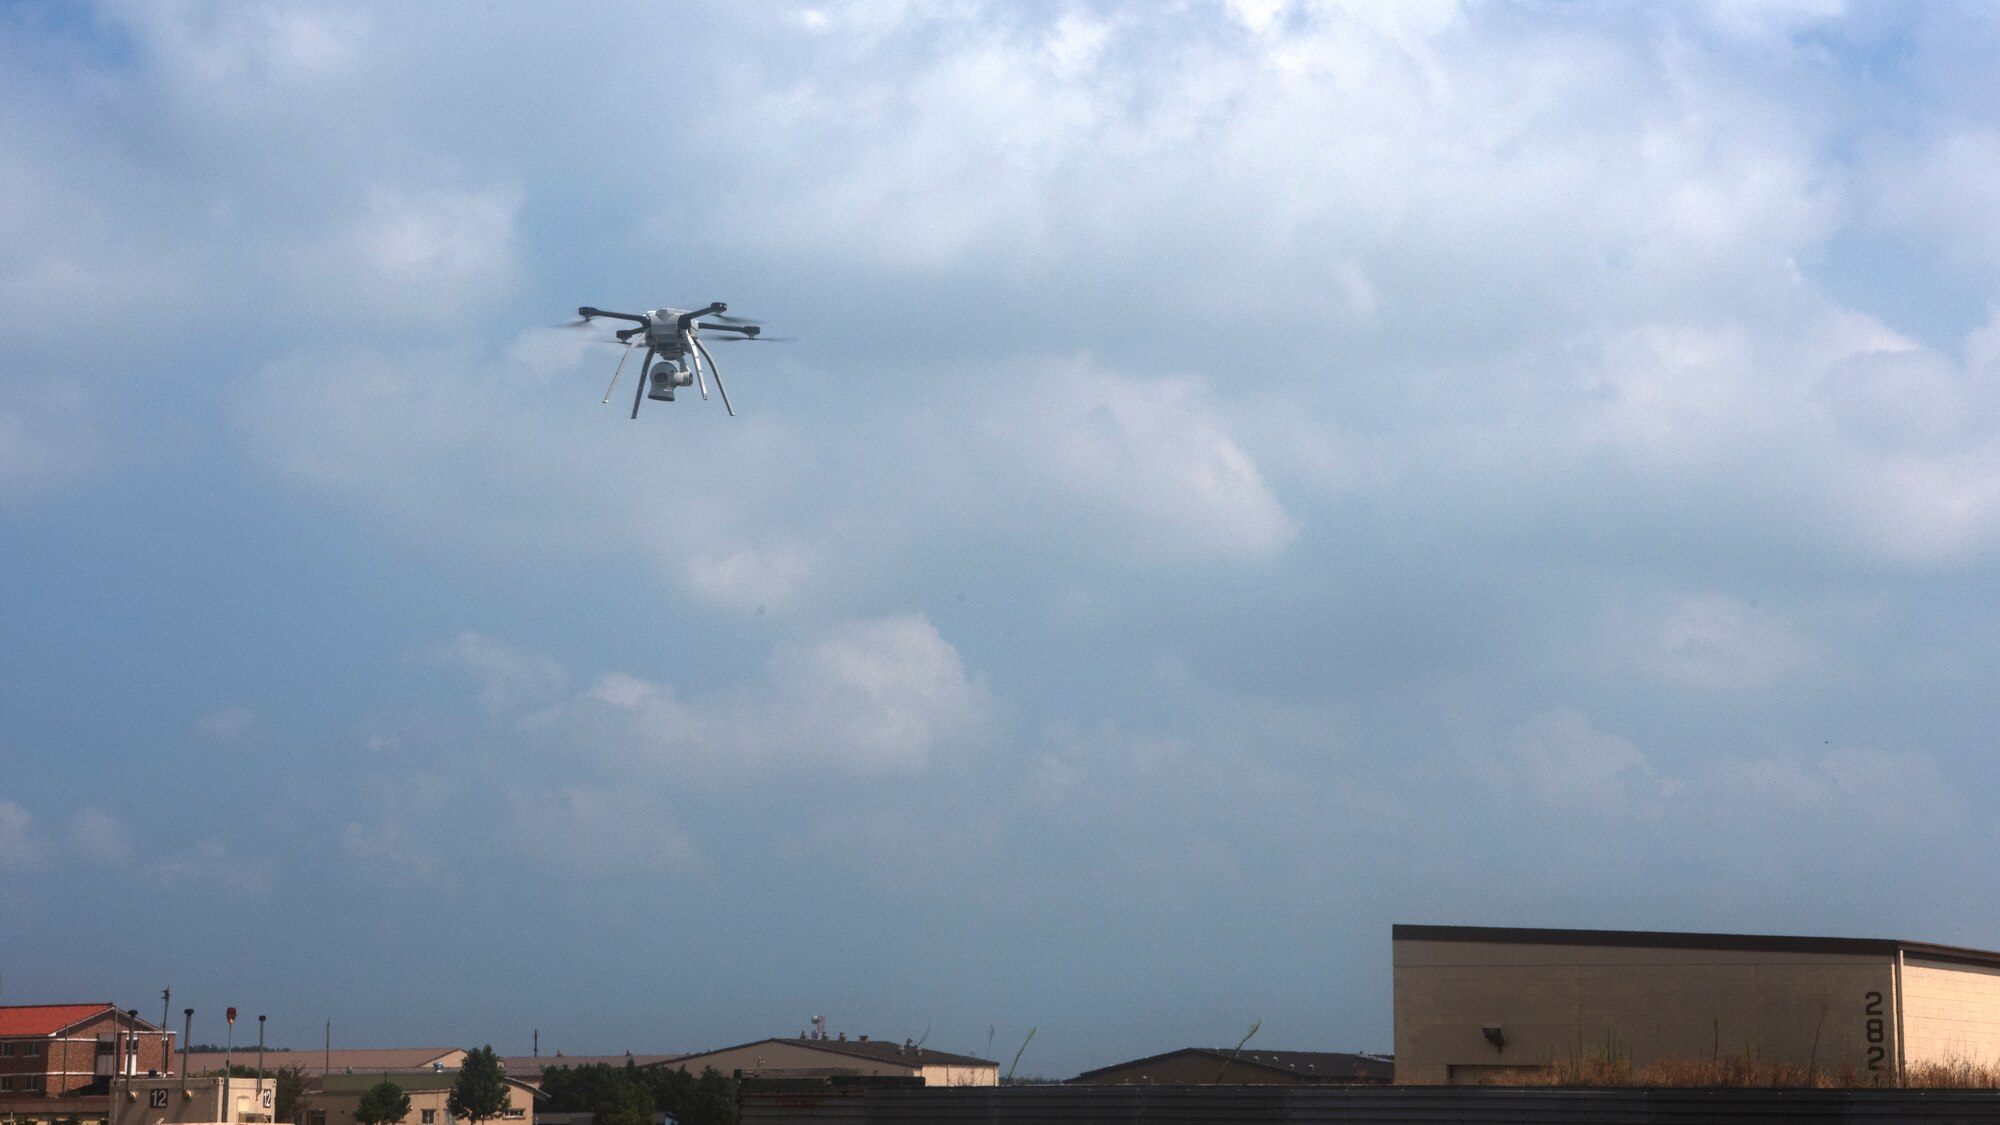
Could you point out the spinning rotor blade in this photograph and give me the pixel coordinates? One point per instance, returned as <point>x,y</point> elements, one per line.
<point>727,319</point>
<point>755,339</point>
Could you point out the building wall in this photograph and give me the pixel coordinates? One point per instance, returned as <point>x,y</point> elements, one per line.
<point>1951,1012</point>
<point>946,1074</point>
<point>53,1065</point>
<point>1552,1001</point>
<point>427,1106</point>
<point>168,1101</point>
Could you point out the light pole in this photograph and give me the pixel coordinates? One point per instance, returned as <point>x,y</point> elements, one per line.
<point>260,1070</point>
<point>228,1048</point>
<point>187,1029</point>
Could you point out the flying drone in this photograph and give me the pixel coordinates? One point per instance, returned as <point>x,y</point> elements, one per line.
<point>673,337</point>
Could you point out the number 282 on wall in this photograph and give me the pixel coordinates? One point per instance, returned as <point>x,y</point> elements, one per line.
<point>1873,1027</point>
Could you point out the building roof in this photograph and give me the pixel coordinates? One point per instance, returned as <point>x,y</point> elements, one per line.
<point>412,1081</point>
<point>1659,939</point>
<point>47,1019</point>
<point>532,1066</point>
<point>876,1050</point>
<point>359,1061</point>
<point>1323,1066</point>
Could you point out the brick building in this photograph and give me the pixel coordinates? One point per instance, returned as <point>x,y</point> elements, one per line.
<point>49,1050</point>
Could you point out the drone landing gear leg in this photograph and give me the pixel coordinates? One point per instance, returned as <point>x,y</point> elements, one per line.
<point>645,369</point>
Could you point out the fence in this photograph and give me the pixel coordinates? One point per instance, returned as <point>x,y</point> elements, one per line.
<point>1356,1105</point>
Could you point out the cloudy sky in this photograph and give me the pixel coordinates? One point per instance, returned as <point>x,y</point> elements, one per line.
<point>1250,474</point>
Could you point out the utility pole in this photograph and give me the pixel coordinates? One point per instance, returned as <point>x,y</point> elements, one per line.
<point>187,1029</point>
<point>166,1037</point>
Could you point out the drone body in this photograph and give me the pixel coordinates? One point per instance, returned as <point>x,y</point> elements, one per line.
<point>672,337</point>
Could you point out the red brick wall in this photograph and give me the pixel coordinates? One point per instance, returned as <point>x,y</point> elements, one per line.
<point>76,1052</point>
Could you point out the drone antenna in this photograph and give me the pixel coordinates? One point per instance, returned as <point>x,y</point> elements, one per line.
<point>619,370</point>
<point>724,391</point>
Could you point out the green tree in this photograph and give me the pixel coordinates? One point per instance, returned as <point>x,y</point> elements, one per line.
<point>480,1094</point>
<point>384,1103</point>
<point>626,1102</point>
<point>712,1101</point>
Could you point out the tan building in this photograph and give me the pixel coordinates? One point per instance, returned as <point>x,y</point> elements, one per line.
<point>339,1095</point>
<point>1477,1003</point>
<point>802,1057</point>
<point>1207,1066</point>
<point>371,1060</point>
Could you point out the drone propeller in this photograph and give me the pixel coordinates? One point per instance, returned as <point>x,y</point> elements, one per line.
<point>754,339</point>
<point>727,319</point>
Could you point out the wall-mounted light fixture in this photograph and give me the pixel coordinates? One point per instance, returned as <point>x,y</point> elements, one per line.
<point>1494,1036</point>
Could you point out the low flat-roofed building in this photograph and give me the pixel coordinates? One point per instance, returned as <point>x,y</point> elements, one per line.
<point>835,1058</point>
<point>337,1096</point>
<point>365,1060</point>
<point>1193,1066</point>
<point>1482,1004</point>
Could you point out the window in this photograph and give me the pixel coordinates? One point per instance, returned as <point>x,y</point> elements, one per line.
<point>6,1083</point>
<point>430,1117</point>
<point>515,1114</point>
<point>315,1117</point>
<point>31,1049</point>
<point>6,1048</point>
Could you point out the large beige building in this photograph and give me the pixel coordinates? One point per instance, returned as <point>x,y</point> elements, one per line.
<point>1477,1003</point>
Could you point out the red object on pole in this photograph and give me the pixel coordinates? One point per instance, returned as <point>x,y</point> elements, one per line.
<point>232,1015</point>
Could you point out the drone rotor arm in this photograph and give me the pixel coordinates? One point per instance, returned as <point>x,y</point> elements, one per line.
<point>587,313</point>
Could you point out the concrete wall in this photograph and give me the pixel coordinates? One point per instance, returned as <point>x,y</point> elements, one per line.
<point>1551,1001</point>
<point>1951,1012</point>
<point>162,1101</point>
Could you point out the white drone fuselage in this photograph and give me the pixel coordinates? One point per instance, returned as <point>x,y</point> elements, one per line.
<point>663,332</point>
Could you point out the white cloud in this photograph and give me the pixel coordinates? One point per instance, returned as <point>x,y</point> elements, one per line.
<point>1559,758</point>
<point>887,694</point>
<point>511,679</point>
<point>228,723</point>
<point>600,831</point>
<point>1710,642</point>
<point>20,849</point>
<point>212,861</point>
<point>100,836</point>
<point>1148,457</point>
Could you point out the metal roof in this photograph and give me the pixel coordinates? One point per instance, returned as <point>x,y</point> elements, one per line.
<point>1664,939</point>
